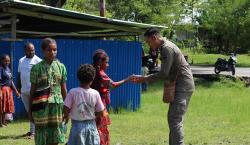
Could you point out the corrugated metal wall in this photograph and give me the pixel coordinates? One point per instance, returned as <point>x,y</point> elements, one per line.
<point>4,46</point>
<point>125,59</point>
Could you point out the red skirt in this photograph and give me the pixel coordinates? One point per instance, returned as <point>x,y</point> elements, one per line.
<point>7,101</point>
<point>102,127</point>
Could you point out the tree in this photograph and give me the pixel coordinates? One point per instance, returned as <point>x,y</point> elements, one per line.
<point>225,25</point>
<point>85,6</point>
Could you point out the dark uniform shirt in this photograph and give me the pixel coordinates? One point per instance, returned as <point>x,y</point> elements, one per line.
<point>174,67</point>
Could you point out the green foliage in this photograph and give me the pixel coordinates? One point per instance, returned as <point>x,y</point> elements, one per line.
<point>145,11</point>
<point>85,6</point>
<point>225,25</point>
<point>36,1</point>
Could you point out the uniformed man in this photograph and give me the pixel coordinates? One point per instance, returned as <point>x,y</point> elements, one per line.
<point>174,70</point>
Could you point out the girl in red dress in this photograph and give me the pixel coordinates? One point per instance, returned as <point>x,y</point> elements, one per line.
<point>102,83</point>
<point>6,87</point>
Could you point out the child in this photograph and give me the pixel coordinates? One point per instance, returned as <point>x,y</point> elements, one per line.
<point>6,87</point>
<point>102,84</point>
<point>48,90</point>
<point>80,105</point>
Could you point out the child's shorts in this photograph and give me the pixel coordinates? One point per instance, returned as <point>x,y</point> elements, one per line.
<point>84,133</point>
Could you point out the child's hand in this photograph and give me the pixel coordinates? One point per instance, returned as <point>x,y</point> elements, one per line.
<point>105,113</point>
<point>18,94</point>
<point>137,78</point>
<point>18,89</point>
<point>130,78</point>
<point>65,119</point>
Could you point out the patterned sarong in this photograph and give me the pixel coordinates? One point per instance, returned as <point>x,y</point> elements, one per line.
<point>7,101</point>
<point>49,126</point>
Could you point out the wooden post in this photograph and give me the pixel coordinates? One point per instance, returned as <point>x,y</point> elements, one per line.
<point>102,8</point>
<point>102,11</point>
<point>13,27</point>
<point>13,37</point>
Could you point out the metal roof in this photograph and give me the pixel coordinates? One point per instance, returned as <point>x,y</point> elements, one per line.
<point>35,20</point>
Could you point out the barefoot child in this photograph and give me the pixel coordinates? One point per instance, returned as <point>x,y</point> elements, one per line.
<point>82,104</point>
<point>6,87</point>
<point>102,83</point>
<point>48,90</point>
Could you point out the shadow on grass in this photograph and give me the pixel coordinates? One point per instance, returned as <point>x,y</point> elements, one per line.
<point>203,81</point>
<point>206,81</point>
<point>18,120</point>
<point>15,137</point>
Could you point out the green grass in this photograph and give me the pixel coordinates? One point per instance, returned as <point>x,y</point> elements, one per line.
<point>243,60</point>
<point>219,113</point>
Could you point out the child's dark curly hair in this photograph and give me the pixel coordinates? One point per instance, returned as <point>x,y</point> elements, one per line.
<point>86,73</point>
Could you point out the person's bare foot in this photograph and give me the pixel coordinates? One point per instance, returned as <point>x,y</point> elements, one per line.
<point>30,135</point>
<point>3,125</point>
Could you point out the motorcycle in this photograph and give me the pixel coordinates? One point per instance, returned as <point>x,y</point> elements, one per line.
<point>149,63</point>
<point>226,65</point>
